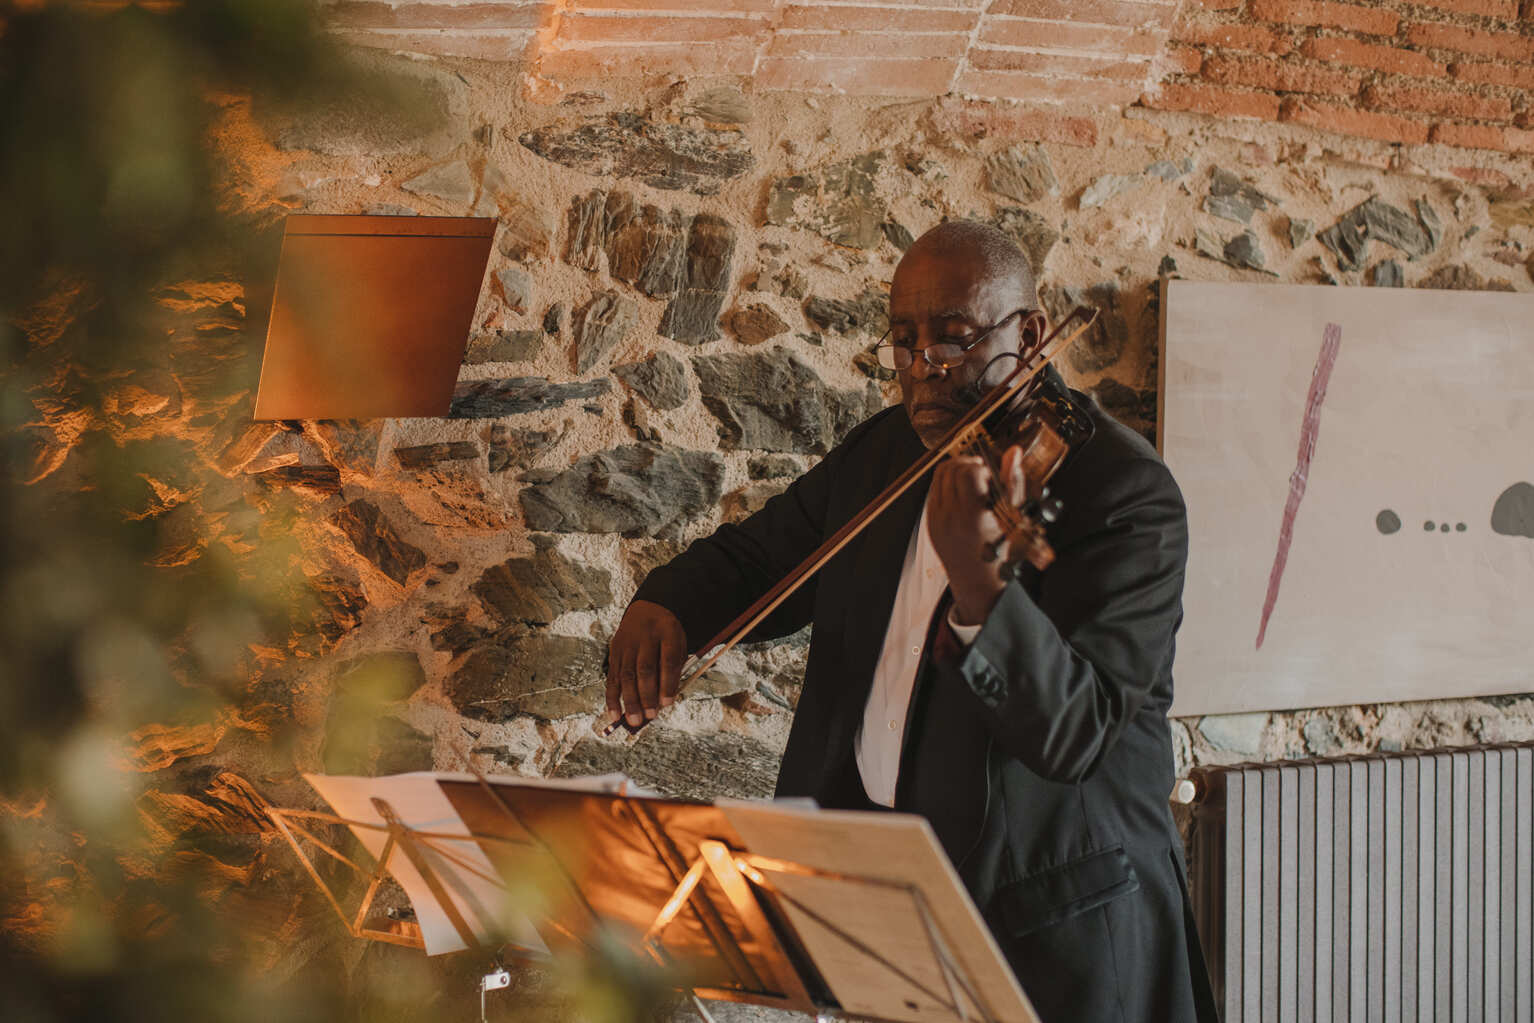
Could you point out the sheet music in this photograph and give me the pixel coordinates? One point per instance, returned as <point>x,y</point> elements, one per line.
<point>461,866</point>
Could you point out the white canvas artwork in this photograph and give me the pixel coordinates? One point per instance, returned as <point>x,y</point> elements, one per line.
<point>1358,466</point>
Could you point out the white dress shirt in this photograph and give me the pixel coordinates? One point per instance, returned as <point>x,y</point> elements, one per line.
<point>922,582</point>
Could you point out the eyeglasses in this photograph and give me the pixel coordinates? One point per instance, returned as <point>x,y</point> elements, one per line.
<point>943,355</point>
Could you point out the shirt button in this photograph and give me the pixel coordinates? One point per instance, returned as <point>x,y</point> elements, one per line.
<point>892,726</point>
<point>916,651</point>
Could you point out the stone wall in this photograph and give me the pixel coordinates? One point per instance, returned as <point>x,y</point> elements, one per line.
<point>686,281</point>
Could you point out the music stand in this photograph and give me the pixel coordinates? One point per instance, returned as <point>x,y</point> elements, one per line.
<point>706,891</point>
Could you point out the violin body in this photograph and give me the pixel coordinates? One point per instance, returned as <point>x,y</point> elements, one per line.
<point>1046,428</point>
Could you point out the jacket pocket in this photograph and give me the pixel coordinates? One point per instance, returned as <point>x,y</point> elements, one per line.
<point>1059,893</point>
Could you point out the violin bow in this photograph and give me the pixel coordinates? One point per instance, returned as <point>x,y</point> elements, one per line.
<point>767,603</point>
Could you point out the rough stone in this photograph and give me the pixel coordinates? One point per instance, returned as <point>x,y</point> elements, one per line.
<point>666,156</point>
<point>770,467</point>
<point>549,677</point>
<point>747,500</point>
<point>1032,232</point>
<point>644,245</point>
<point>1431,225</point>
<point>1166,170</point>
<point>509,396</point>
<point>1243,251</point>
<point>1321,738</point>
<point>1021,172</point>
<point>510,447</point>
<point>756,323</point>
<point>538,589</point>
<point>450,182</point>
<point>774,402</point>
<point>1387,274</point>
<point>604,322</point>
<point>388,209</point>
<point>897,234</point>
<point>868,313</point>
<point>722,105</point>
<point>516,286</point>
<point>1229,207</point>
<point>1105,187</point>
<point>324,480</point>
<point>1239,733</point>
<point>1300,232</point>
<point>1104,344</point>
<point>503,346</point>
<point>1348,239</point>
<point>375,538</point>
<point>526,227</point>
<point>660,379</point>
<point>839,202</point>
<point>554,318</point>
<point>1457,277</point>
<point>339,603</point>
<point>1223,183</point>
<point>420,456</point>
<point>635,490</point>
<point>681,764</point>
<point>692,317</point>
<point>791,282</point>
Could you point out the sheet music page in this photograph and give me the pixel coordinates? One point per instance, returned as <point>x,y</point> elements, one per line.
<point>461,866</point>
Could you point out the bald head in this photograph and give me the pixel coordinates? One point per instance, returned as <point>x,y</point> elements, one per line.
<point>984,249</point>
<point>962,284</point>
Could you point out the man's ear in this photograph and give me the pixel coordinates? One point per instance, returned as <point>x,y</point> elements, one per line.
<point>1032,332</point>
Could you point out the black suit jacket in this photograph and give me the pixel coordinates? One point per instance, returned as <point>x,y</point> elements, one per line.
<point>1041,753</point>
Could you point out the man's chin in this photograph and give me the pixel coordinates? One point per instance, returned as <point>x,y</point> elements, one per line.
<point>931,425</point>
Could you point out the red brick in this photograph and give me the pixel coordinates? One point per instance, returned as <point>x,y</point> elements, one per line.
<point>866,44</point>
<point>1251,38</point>
<point>1281,76</point>
<point>1064,35</point>
<point>1515,76</point>
<point>1349,121</point>
<point>1419,100</point>
<point>1381,58</point>
<point>578,26</point>
<point>1097,12</point>
<point>1187,60</point>
<point>657,60</point>
<point>371,14</point>
<point>1505,9</point>
<point>893,76</point>
<point>1484,136</point>
<point>1348,17</point>
<point>1509,45</point>
<point>734,7</point>
<point>1015,124</point>
<point>483,44</point>
<point>877,19</point>
<point>1213,100</point>
<point>1038,88</point>
<point>1057,64</point>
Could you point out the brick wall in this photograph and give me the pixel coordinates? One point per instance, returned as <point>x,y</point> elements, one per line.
<point>1455,72</point>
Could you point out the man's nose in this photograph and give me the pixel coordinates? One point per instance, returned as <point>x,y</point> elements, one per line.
<point>921,369</point>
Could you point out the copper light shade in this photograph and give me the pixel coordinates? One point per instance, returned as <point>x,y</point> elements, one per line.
<point>371,315</point>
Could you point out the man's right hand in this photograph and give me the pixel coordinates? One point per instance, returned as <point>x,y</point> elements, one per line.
<point>644,662</point>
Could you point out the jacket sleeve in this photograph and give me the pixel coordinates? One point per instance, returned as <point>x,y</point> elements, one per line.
<point>719,576</point>
<point>1062,676</point>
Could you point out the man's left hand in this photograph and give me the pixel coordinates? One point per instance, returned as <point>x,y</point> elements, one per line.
<point>964,528</point>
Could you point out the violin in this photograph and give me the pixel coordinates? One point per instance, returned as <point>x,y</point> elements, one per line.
<point>1045,427</point>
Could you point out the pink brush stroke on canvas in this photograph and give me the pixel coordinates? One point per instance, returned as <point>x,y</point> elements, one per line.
<point>1331,341</point>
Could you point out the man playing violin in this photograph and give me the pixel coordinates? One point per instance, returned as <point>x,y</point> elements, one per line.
<point>1023,714</point>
